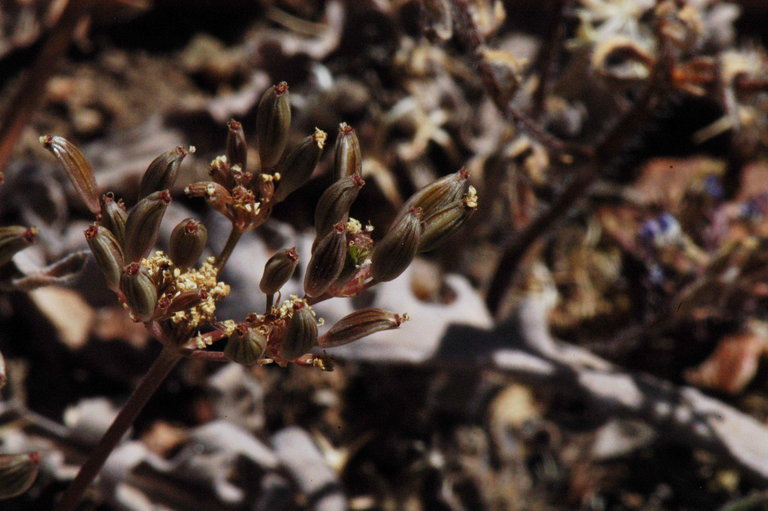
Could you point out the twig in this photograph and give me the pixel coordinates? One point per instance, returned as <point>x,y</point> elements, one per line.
<point>548,55</point>
<point>32,89</point>
<point>607,148</point>
<point>162,366</point>
<point>502,98</point>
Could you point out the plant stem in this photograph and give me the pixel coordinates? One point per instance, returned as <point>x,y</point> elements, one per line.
<point>270,302</point>
<point>211,356</point>
<point>234,237</point>
<point>161,367</point>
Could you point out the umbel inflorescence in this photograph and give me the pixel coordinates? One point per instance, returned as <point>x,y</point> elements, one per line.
<point>176,296</point>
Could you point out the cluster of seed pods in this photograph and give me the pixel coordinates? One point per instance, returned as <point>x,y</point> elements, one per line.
<point>177,299</point>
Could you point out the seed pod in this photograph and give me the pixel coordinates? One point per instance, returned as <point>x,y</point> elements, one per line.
<point>392,255</point>
<point>161,173</point>
<point>300,335</point>
<point>107,253</point>
<point>188,240</point>
<point>221,172</point>
<point>273,121</point>
<point>278,270</point>
<point>360,324</point>
<point>237,148</point>
<point>114,216</point>
<point>17,473</point>
<point>439,226</point>
<point>435,196</point>
<point>333,206</point>
<point>245,346</point>
<point>297,167</point>
<point>139,290</point>
<point>348,159</point>
<point>217,197</point>
<point>13,239</point>
<point>77,168</point>
<point>327,261</point>
<point>143,225</point>
<point>183,301</point>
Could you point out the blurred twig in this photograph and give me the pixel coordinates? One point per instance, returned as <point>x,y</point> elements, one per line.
<point>32,89</point>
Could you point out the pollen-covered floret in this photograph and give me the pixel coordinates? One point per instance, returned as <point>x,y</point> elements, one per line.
<point>162,270</point>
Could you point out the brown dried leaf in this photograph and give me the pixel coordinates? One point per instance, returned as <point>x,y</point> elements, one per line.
<point>734,362</point>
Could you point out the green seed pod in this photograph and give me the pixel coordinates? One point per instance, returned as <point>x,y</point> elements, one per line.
<point>333,206</point>
<point>273,122</point>
<point>114,216</point>
<point>439,226</point>
<point>237,148</point>
<point>139,290</point>
<point>392,255</point>
<point>245,346</point>
<point>17,473</point>
<point>360,324</point>
<point>107,253</point>
<point>297,167</point>
<point>300,335</point>
<point>13,239</point>
<point>348,159</point>
<point>435,196</point>
<point>278,270</point>
<point>188,240</point>
<point>327,261</point>
<point>161,173</point>
<point>77,168</point>
<point>143,225</point>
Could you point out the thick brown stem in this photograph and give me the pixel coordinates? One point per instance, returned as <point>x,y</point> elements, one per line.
<point>165,362</point>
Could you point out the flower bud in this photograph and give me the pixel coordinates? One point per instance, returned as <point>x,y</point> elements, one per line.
<point>245,346</point>
<point>140,292</point>
<point>17,473</point>
<point>13,239</point>
<point>439,226</point>
<point>188,240</point>
<point>334,203</point>
<point>217,197</point>
<point>327,261</point>
<point>107,253</point>
<point>301,333</point>
<point>360,324</point>
<point>348,160</point>
<point>278,270</point>
<point>392,255</point>
<point>297,167</point>
<point>161,173</point>
<point>143,224</point>
<point>114,216</point>
<point>435,196</point>
<point>273,121</point>
<point>237,148</point>
<point>77,168</point>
